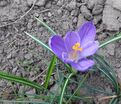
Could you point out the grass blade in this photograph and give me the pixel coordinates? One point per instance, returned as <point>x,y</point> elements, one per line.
<point>38,41</point>
<point>22,102</point>
<point>106,69</point>
<point>46,26</point>
<point>113,101</point>
<point>49,71</point>
<point>64,87</point>
<point>110,40</point>
<point>20,80</point>
<point>81,82</point>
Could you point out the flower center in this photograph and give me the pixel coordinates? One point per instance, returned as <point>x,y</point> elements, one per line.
<point>74,55</point>
<point>76,47</point>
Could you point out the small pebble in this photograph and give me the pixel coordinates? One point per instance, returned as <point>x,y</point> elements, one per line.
<point>60,2</point>
<point>59,11</point>
<point>71,5</point>
<point>30,92</point>
<point>41,2</point>
<point>86,13</point>
<point>49,14</point>
<point>14,70</point>
<point>97,9</point>
<point>74,12</point>
<point>9,56</point>
<point>75,20</point>
<point>48,5</point>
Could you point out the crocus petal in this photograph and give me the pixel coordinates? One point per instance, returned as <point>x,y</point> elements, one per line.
<point>71,39</point>
<point>57,45</point>
<point>87,32</point>
<point>90,49</point>
<point>83,65</point>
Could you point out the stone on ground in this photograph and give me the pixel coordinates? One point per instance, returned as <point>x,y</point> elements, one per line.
<point>110,18</point>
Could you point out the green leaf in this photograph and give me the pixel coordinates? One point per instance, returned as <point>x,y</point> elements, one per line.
<point>20,80</point>
<point>112,39</point>
<point>49,71</point>
<point>107,70</point>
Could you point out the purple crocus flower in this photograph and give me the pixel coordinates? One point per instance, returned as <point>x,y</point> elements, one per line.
<point>76,47</point>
